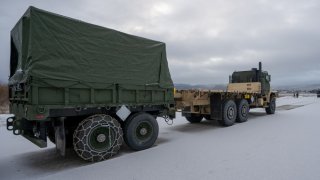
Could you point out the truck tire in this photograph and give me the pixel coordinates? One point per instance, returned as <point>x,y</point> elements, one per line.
<point>243,110</point>
<point>229,113</point>
<point>194,118</point>
<point>51,135</point>
<point>207,117</point>
<point>271,109</point>
<point>140,131</point>
<point>97,138</point>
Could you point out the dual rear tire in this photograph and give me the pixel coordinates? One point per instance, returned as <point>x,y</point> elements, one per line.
<point>100,136</point>
<point>234,112</point>
<point>242,110</point>
<point>229,113</point>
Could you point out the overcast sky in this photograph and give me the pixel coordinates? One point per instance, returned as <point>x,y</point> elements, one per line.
<point>206,39</point>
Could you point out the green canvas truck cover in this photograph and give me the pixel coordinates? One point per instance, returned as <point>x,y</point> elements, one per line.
<point>48,46</point>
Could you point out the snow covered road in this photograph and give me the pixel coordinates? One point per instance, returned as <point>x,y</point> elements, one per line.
<point>281,146</point>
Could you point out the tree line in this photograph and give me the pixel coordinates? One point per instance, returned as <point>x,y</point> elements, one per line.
<point>4,98</point>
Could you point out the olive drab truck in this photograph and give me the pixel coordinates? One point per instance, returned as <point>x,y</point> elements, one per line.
<point>85,86</point>
<point>246,90</point>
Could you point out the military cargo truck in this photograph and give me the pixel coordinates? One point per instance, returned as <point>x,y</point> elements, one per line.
<point>246,90</point>
<point>90,88</point>
<point>86,86</point>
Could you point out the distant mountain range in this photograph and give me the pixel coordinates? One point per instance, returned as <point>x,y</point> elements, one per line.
<point>201,86</point>
<point>302,87</point>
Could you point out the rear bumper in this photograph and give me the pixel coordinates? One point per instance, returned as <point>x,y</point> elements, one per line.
<point>34,131</point>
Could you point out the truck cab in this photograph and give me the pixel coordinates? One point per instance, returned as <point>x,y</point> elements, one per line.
<point>254,81</point>
<point>253,76</point>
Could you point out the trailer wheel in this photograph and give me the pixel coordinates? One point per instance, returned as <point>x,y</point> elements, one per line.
<point>243,110</point>
<point>140,131</point>
<point>208,117</point>
<point>194,118</point>
<point>271,109</point>
<point>97,138</point>
<point>51,135</point>
<point>229,113</point>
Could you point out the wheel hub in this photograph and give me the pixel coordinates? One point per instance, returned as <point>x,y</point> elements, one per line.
<point>143,131</point>
<point>97,138</point>
<point>231,112</point>
<point>101,138</point>
<point>244,110</point>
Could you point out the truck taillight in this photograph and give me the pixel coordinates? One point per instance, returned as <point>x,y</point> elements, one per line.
<point>39,116</point>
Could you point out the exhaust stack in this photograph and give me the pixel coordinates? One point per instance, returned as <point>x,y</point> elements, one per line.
<point>260,67</point>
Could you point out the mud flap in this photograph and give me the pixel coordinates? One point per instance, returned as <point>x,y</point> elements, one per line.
<point>216,106</point>
<point>60,136</point>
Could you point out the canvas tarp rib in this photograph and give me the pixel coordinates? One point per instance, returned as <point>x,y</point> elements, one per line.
<point>52,46</point>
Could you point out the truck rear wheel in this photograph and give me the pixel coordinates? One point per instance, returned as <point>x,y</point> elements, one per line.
<point>229,113</point>
<point>140,131</point>
<point>194,118</point>
<point>51,135</point>
<point>207,117</point>
<point>243,110</point>
<point>97,138</point>
<point>271,109</point>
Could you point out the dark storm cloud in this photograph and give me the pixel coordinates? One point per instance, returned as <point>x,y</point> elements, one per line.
<point>206,40</point>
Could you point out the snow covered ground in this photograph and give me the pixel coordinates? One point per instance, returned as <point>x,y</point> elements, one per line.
<point>281,146</point>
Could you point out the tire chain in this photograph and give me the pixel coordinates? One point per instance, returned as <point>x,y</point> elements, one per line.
<point>81,139</point>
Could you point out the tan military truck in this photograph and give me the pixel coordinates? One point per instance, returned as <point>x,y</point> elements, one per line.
<point>246,90</point>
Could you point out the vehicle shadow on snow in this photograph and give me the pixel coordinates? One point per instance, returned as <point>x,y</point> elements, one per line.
<point>196,127</point>
<point>161,140</point>
<point>210,124</point>
<point>49,161</point>
<point>125,149</point>
<point>253,115</point>
<point>288,107</point>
